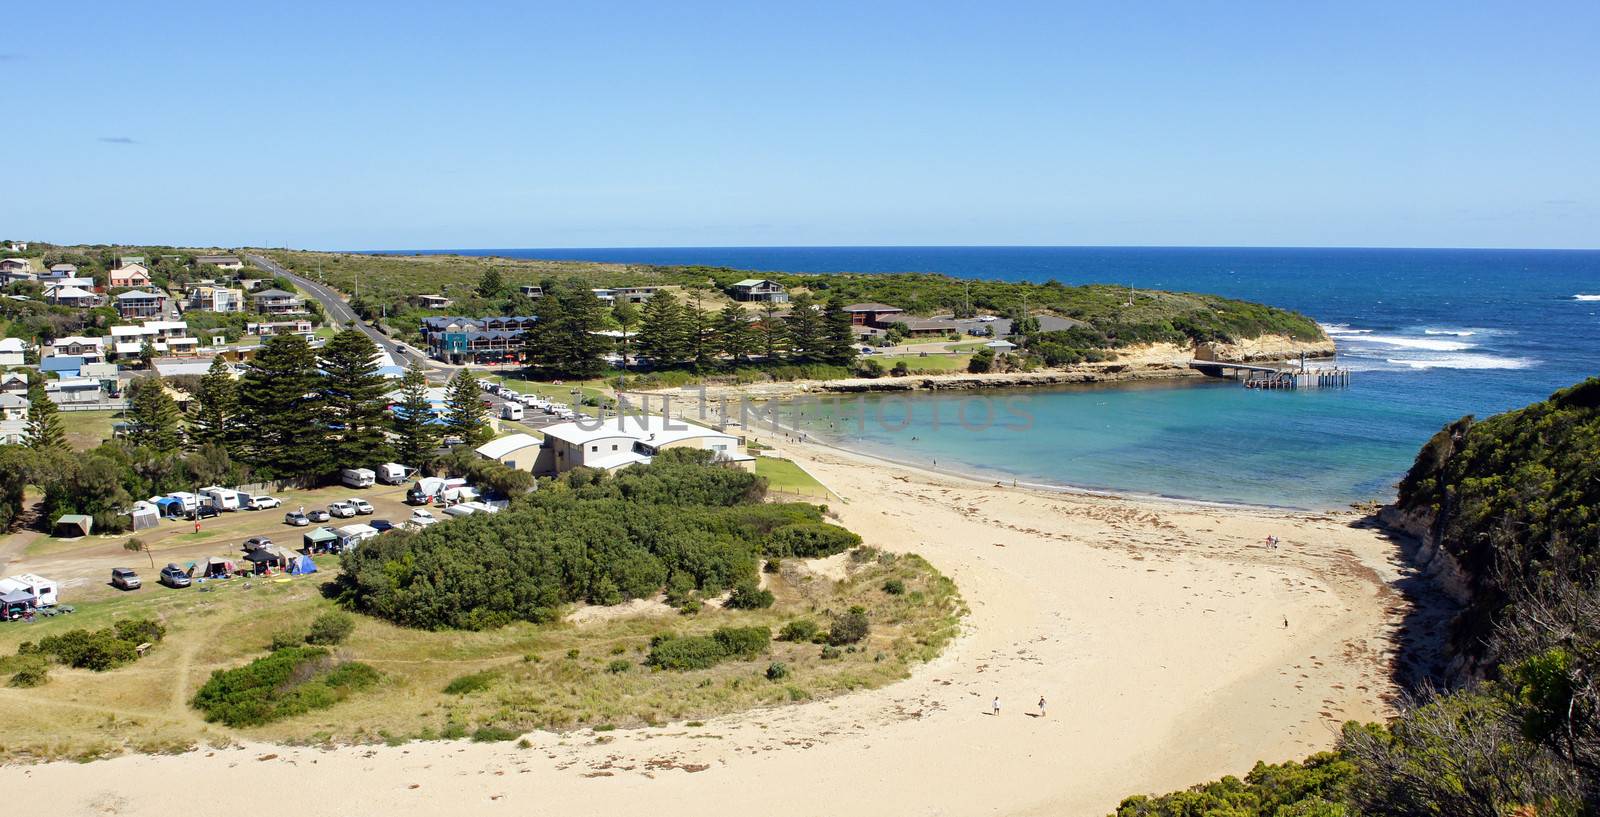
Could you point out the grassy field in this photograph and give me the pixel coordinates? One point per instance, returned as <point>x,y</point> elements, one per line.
<point>787,477</point>
<point>87,429</point>
<point>559,676</point>
<point>919,363</point>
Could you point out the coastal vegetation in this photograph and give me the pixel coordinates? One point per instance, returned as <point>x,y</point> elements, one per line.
<point>1510,504</point>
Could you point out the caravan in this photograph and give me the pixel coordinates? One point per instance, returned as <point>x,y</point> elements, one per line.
<point>224,499</point>
<point>45,592</point>
<point>187,503</point>
<point>511,411</point>
<point>428,489</point>
<point>392,473</point>
<point>358,477</point>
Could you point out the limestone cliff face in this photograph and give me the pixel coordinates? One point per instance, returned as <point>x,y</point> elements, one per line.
<point>1265,348</point>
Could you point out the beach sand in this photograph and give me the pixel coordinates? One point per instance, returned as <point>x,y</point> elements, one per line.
<point>1171,645</point>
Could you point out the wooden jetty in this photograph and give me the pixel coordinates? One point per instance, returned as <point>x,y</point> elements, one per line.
<point>1285,376</point>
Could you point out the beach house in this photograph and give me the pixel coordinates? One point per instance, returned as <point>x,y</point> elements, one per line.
<point>13,407</point>
<point>62,270</point>
<point>64,294</point>
<point>164,337</point>
<point>129,275</point>
<point>531,290</point>
<point>227,262</point>
<point>74,391</point>
<point>141,303</point>
<point>873,314</point>
<point>271,328</point>
<point>13,351</point>
<point>216,299</point>
<point>433,302</point>
<point>627,439</point>
<point>759,289</point>
<point>276,302</point>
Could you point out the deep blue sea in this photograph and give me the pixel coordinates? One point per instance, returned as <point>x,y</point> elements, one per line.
<point>1430,334</point>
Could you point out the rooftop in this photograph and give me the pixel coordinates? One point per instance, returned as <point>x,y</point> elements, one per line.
<point>501,446</point>
<point>652,429</point>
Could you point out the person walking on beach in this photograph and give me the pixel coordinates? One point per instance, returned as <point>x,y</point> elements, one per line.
<point>997,706</point>
<point>1041,706</point>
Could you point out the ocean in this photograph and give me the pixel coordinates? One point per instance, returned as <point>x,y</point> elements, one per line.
<point>1430,334</point>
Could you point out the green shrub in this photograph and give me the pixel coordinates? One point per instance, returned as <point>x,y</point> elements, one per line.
<point>281,684</point>
<point>99,650</point>
<point>619,666</point>
<point>829,653</point>
<point>801,629</point>
<point>331,628</point>
<point>810,540</point>
<point>140,630</point>
<point>471,682</point>
<point>30,673</point>
<point>747,595</point>
<point>849,628</point>
<point>283,640</point>
<point>690,652</point>
<point>777,671</point>
<point>894,587</point>
<point>494,734</point>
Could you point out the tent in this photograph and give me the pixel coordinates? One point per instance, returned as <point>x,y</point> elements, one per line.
<point>145,515</point>
<point>302,565</point>
<point>217,568</point>
<point>170,506</point>
<point>263,560</point>
<point>73,525</point>
<point>15,604</point>
<point>319,540</point>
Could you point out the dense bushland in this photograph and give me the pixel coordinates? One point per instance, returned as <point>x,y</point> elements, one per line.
<point>679,522</point>
<point>283,683</point>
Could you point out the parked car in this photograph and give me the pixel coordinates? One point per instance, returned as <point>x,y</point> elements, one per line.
<point>423,518</point>
<point>362,506</point>
<point>174,577</point>
<point>124,578</point>
<point>317,515</point>
<point>380,525</point>
<point>205,511</point>
<point>343,510</point>
<point>296,519</point>
<point>256,543</point>
<point>261,503</point>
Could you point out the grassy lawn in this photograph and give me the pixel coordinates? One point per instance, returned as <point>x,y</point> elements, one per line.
<point>87,429</point>
<point>784,475</point>
<point>561,393</point>
<point>559,676</point>
<point>930,363</point>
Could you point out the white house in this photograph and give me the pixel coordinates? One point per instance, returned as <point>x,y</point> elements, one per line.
<point>13,407</point>
<point>67,295</point>
<point>12,351</point>
<point>624,440</point>
<point>166,337</point>
<point>228,262</point>
<point>78,346</point>
<point>74,390</point>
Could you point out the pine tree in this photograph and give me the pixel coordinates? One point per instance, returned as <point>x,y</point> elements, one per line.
<point>147,354</point>
<point>839,332</point>
<point>214,417</point>
<point>465,416</point>
<point>153,419</point>
<point>353,400</point>
<point>563,342</point>
<point>771,331</point>
<point>626,316</point>
<point>44,420</point>
<point>416,436</point>
<point>735,337</point>
<point>804,328</point>
<point>664,331</point>
<point>280,404</point>
<point>697,325</point>
<point>491,285</point>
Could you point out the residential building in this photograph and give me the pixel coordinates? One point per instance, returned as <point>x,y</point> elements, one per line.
<point>11,276</point>
<point>531,290</point>
<point>74,390</point>
<point>13,383</point>
<point>267,330</point>
<point>216,299</point>
<point>276,302</point>
<point>431,326</point>
<point>15,265</point>
<point>141,304</point>
<point>13,432</point>
<point>164,337</point>
<point>68,295</point>
<point>485,346</point>
<point>129,276</point>
<point>759,289</point>
<point>433,302</point>
<point>623,440</point>
<point>62,365</point>
<point>633,295</point>
<point>13,407</point>
<point>77,346</point>
<point>62,270</point>
<point>228,262</point>
<point>16,246</point>
<point>13,351</point>
<point>873,314</point>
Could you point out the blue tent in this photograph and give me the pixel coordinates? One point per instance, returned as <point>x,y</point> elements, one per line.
<point>302,566</point>
<point>170,506</point>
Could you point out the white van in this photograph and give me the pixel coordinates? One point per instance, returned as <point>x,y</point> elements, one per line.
<point>225,499</point>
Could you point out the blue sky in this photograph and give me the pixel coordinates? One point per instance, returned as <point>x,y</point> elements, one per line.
<point>408,125</point>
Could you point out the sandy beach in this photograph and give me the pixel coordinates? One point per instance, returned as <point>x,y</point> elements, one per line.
<point>1170,645</point>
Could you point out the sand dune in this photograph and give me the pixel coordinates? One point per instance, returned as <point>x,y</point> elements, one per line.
<point>1171,647</point>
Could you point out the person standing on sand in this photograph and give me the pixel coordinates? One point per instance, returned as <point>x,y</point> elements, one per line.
<point>1041,706</point>
<point>997,706</point>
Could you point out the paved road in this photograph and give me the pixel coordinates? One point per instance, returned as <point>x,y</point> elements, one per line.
<point>340,313</point>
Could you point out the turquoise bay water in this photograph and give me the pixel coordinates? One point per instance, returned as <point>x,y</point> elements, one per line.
<point>1431,335</point>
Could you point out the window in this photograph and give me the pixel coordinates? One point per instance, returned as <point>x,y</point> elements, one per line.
<point>613,446</point>
<point>594,448</point>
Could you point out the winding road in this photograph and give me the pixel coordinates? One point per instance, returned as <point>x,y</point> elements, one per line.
<point>340,313</point>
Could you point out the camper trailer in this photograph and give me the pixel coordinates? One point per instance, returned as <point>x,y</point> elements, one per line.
<point>224,499</point>
<point>186,501</point>
<point>352,535</point>
<point>511,411</point>
<point>428,489</point>
<point>392,473</point>
<point>45,592</point>
<point>358,477</point>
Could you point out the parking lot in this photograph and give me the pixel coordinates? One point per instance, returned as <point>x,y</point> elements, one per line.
<point>83,566</point>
